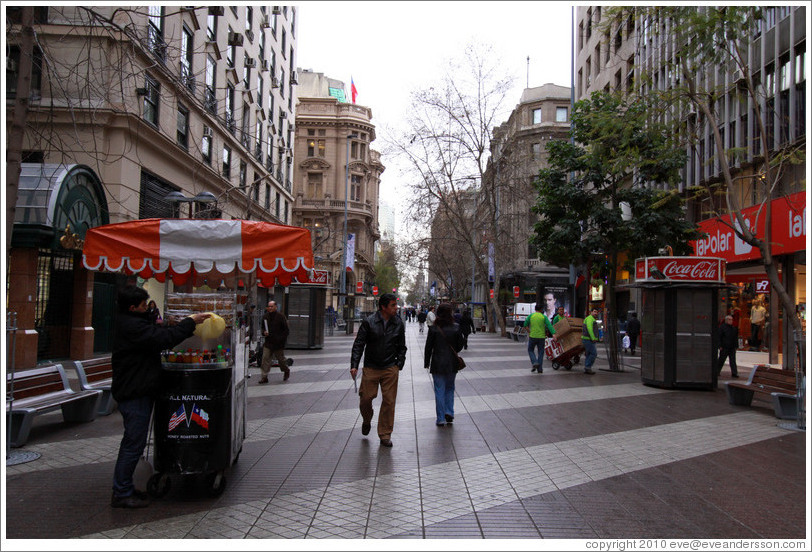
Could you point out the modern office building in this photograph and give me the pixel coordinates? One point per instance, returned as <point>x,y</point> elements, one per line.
<point>614,57</point>
<point>138,112</point>
<point>336,183</point>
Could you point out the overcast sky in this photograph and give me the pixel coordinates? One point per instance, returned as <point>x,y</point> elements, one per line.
<point>391,48</point>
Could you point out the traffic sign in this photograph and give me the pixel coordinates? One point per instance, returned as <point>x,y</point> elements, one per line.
<point>491,293</point>
<point>359,287</point>
<point>515,292</point>
<point>374,290</point>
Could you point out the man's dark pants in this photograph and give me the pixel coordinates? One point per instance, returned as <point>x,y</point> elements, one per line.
<point>136,414</point>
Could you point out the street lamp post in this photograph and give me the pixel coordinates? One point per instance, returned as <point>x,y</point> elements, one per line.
<point>342,297</point>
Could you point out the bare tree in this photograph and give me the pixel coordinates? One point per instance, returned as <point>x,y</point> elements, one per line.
<point>445,150</point>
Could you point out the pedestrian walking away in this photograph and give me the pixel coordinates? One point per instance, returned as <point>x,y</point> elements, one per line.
<point>633,331</point>
<point>589,337</point>
<point>276,330</point>
<point>136,362</point>
<point>421,320</point>
<point>430,316</point>
<point>538,325</point>
<point>466,327</point>
<point>381,339</point>
<point>728,343</point>
<point>444,340</point>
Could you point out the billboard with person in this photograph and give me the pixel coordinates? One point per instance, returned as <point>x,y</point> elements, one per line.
<point>553,297</point>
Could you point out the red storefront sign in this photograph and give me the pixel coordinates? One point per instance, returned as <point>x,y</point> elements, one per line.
<point>321,277</point>
<point>788,231</point>
<point>679,269</point>
<point>491,293</point>
<point>516,292</point>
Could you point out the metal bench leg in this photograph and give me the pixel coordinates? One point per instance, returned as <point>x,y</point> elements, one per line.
<point>21,422</point>
<point>82,410</point>
<point>738,396</point>
<point>785,406</point>
<point>106,404</point>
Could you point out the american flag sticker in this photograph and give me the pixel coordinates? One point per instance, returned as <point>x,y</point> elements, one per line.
<point>177,417</point>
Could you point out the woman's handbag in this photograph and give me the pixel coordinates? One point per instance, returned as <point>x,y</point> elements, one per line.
<point>460,360</point>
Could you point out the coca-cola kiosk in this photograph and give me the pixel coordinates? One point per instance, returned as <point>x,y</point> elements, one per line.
<point>679,320</point>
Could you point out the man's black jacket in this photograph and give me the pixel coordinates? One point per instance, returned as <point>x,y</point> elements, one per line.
<point>380,349</point>
<point>728,336</point>
<point>137,347</point>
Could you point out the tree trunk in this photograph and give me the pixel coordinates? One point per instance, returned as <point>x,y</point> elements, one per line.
<point>15,136</point>
<point>610,316</point>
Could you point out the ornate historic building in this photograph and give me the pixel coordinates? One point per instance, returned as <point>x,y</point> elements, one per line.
<point>337,177</point>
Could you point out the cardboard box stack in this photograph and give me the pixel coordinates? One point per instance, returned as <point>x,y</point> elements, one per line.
<point>568,333</point>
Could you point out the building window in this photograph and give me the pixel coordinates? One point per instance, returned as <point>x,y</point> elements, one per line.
<point>156,32</point>
<point>246,72</point>
<point>211,27</point>
<point>355,187</point>
<point>560,114</point>
<point>282,83</point>
<point>246,118</point>
<point>226,162</point>
<point>183,127</point>
<point>267,197</point>
<point>243,176</point>
<point>231,51</point>
<point>258,141</point>
<point>314,186</point>
<point>249,21</point>
<point>537,116</point>
<point>210,99</point>
<point>12,71</point>
<point>286,220</point>
<point>230,119</point>
<point>255,188</point>
<point>800,91</point>
<point>278,206</point>
<point>205,145</point>
<point>186,49</point>
<point>535,151</point>
<point>260,90</point>
<point>152,100</point>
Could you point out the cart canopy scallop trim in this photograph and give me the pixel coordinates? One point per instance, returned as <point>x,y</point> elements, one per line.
<point>180,248</point>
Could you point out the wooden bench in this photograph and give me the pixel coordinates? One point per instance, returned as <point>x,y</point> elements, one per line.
<point>769,384</point>
<point>42,390</point>
<point>97,373</point>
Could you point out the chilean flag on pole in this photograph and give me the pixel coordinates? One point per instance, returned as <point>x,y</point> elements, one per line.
<point>353,90</point>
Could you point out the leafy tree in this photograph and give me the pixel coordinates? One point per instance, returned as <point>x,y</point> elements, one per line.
<point>601,194</point>
<point>705,40</point>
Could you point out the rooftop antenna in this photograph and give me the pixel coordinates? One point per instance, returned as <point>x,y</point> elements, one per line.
<point>528,72</point>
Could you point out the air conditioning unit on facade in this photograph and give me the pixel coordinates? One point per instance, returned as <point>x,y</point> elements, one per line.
<point>276,10</point>
<point>274,82</point>
<point>294,78</point>
<point>283,114</point>
<point>235,39</point>
<point>217,10</point>
<point>265,23</point>
<point>250,62</point>
<point>264,65</point>
<point>206,131</point>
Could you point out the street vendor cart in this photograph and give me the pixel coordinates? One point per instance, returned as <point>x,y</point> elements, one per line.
<point>199,421</point>
<point>566,349</point>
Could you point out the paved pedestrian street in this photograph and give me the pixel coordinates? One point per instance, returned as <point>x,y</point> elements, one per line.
<point>557,455</point>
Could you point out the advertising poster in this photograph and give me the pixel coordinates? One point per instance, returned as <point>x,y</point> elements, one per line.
<point>553,297</point>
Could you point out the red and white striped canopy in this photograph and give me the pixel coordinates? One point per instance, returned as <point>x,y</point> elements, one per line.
<point>208,250</point>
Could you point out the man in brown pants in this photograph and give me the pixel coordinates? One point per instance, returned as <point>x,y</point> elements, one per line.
<point>381,339</point>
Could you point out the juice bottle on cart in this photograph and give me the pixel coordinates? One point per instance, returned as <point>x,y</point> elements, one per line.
<point>220,354</point>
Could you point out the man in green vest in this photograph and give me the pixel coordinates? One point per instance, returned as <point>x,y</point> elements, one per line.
<point>589,336</point>
<point>537,322</point>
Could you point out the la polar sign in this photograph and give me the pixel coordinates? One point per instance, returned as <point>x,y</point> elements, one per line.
<point>680,269</point>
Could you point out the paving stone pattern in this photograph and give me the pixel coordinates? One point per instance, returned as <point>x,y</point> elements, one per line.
<point>558,455</point>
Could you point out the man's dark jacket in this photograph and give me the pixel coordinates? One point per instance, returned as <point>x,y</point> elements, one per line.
<point>633,327</point>
<point>137,347</point>
<point>380,349</point>
<point>728,336</point>
<point>278,330</point>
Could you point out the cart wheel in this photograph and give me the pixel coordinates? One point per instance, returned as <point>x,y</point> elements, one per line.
<point>568,366</point>
<point>158,485</point>
<point>576,359</point>
<point>217,484</point>
<point>556,366</point>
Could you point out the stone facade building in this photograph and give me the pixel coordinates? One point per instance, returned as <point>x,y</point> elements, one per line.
<point>336,174</point>
<point>127,105</point>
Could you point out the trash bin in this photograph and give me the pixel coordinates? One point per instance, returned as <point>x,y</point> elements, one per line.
<point>193,424</point>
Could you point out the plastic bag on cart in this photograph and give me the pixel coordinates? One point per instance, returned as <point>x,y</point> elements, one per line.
<point>627,343</point>
<point>552,348</point>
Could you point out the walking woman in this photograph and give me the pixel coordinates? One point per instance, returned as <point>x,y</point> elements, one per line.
<point>440,359</point>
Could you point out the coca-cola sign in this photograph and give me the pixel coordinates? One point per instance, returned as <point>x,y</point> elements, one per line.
<point>320,277</point>
<point>680,269</point>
